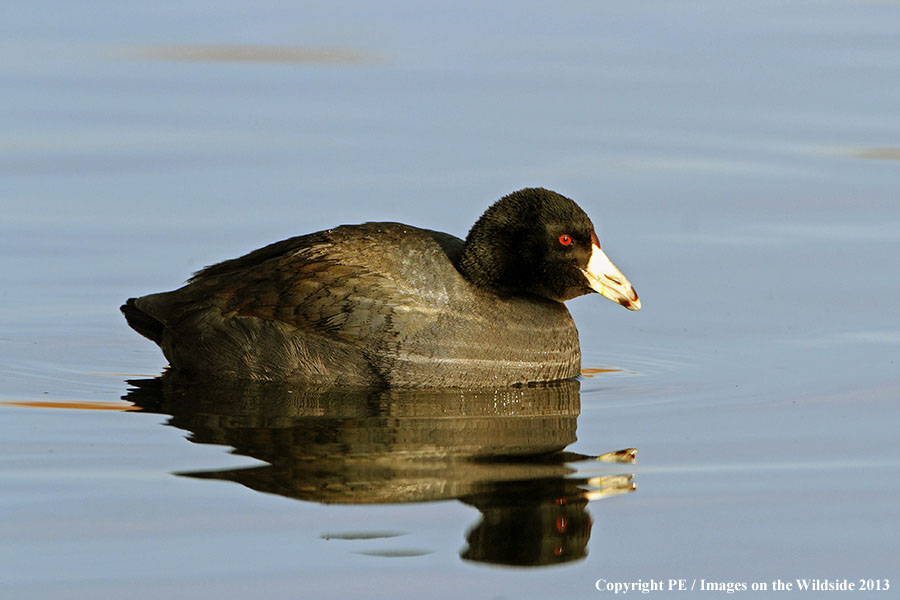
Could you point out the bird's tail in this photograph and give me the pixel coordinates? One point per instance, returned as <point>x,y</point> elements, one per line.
<point>145,324</point>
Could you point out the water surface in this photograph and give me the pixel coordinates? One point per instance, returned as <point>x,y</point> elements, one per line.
<point>740,162</point>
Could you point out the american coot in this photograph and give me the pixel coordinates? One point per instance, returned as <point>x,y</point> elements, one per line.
<point>390,304</point>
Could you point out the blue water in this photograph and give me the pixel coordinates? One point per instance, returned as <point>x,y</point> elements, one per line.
<point>740,162</point>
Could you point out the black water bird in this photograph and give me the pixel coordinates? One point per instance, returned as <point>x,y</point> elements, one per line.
<point>391,304</point>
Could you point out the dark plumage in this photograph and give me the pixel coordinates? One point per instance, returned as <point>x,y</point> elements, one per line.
<point>391,304</point>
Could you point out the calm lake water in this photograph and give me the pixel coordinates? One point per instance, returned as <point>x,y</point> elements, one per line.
<point>739,160</point>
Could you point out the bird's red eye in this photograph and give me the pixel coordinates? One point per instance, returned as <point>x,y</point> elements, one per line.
<point>565,240</point>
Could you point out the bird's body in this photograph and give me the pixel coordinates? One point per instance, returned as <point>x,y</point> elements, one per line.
<point>372,304</point>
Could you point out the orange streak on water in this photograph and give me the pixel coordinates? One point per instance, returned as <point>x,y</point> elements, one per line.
<point>74,405</point>
<point>592,372</point>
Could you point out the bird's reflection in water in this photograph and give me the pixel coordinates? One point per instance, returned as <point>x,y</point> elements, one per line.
<point>501,451</point>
